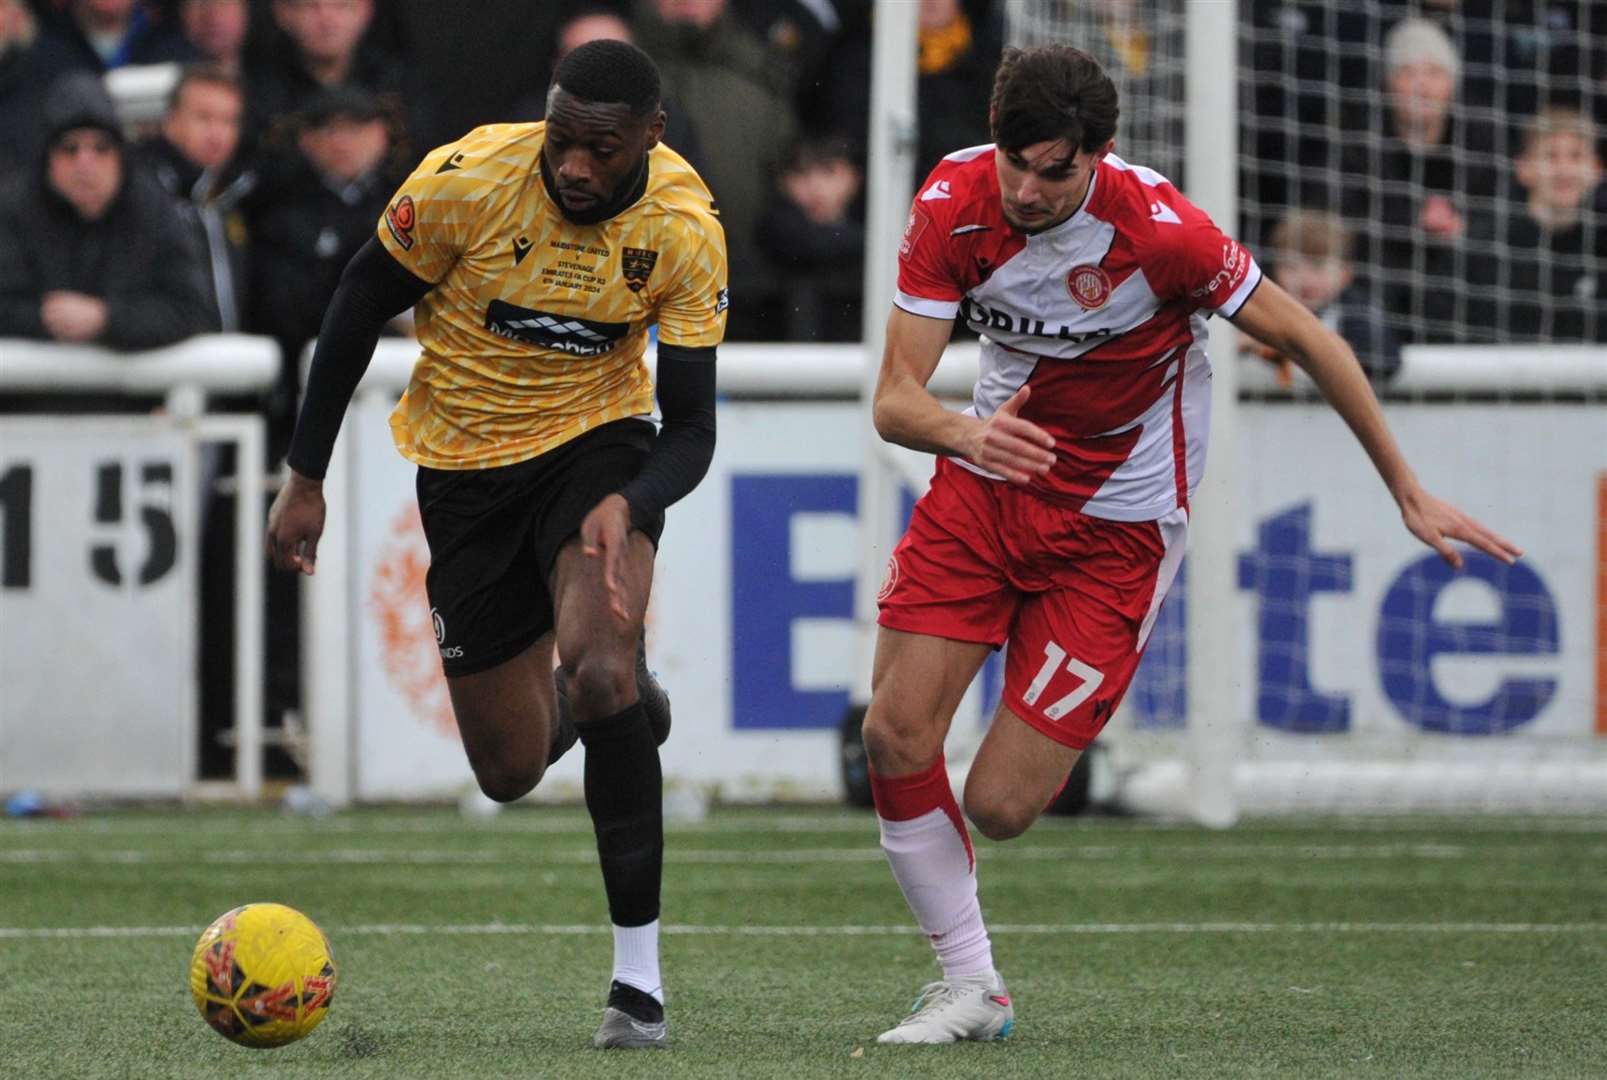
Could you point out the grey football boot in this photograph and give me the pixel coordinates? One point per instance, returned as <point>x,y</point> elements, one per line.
<point>632,1020</point>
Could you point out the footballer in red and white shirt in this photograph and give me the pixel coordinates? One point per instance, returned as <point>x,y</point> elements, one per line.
<point>1056,518</point>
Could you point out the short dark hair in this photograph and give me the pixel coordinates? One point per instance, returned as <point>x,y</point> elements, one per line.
<point>611,72</point>
<point>1052,92</point>
<point>807,152</point>
<point>344,101</point>
<point>203,75</point>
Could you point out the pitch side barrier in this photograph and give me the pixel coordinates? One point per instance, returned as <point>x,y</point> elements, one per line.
<point>1355,650</point>
<point>100,524</point>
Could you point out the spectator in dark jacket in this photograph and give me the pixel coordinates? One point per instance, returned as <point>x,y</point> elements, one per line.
<point>1410,188</point>
<point>955,58</point>
<point>95,36</point>
<point>194,159</point>
<point>89,251</point>
<point>738,91</point>
<point>307,218</point>
<point>324,44</point>
<point>21,80</point>
<point>1542,264</point>
<point>205,31</point>
<point>813,232</point>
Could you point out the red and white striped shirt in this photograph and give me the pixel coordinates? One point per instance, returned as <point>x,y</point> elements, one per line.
<point>1102,315</point>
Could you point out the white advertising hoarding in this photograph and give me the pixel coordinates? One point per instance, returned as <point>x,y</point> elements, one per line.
<point>1357,644</point>
<point>97,606</point>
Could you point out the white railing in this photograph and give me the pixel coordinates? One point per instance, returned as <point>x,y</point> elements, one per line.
<point>792,370</point>
<point>1472,370</point>
<point>747,369</point>
<point>185,373</point>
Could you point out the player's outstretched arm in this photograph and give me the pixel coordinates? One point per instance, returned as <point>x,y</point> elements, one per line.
<point>1283,323</point>
<point>374,289</point>
<point>906,413</point>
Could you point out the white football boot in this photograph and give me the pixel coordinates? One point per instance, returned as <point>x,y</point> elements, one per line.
<point>975,1008</point>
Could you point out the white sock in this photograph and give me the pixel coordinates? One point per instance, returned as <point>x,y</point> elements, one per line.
<point>636,958</point>
<point>932,864</point>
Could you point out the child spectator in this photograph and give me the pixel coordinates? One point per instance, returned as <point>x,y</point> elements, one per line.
<point>811,232</point>
<point>1310,254</point>
<point>1544,262</point>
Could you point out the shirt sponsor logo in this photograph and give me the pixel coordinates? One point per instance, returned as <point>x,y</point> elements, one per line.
<point>912,232</point>
<point>984,318</point>
<point>1235,265</point>
<point>400,217</point>
<point>565,333</point>
<point>1089,285</point>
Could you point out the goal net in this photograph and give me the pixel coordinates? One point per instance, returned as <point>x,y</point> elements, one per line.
<point>1432,188</point>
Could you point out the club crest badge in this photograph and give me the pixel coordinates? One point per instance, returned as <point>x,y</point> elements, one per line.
<point>889,579</point>
<point>1089,286</point>
<point>636,264</point>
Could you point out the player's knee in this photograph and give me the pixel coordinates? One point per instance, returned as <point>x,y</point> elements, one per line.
<point>897,744</point>
<point>601,682</point>
<point>504,784</point>
<point>1000,819</point>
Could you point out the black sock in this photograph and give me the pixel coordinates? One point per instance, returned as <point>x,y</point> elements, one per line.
<point>625,795</point>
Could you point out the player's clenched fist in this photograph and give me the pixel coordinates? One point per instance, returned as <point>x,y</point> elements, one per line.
<point>1015,449</point>
<point>295,522</point>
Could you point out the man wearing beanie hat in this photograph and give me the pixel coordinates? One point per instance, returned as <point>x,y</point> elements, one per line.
<point>1421,71</point>
<point>1410,188</point>
<point>89,251</point>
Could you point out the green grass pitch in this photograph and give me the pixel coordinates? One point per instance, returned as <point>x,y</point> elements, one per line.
<point>479,948</point>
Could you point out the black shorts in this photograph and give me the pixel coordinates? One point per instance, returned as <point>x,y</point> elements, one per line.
<point>494,535</point>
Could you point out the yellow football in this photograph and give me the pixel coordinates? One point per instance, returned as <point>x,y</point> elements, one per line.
<point>263,975</point>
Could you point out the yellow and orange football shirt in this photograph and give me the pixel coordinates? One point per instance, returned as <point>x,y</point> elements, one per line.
<point>536,328</point>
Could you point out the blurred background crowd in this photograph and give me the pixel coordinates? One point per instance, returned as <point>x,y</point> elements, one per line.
<point>1416,171</point>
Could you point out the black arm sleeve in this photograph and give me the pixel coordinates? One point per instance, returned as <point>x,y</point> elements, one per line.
<point>374,288</point>
<point>685,444</point>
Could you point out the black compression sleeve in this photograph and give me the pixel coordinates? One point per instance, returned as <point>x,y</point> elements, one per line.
<point>374,288</point>
<point>685,444</point>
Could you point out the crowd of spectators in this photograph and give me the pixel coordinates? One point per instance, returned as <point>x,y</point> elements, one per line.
<point>1456,144</point>
<point>1418,171</point>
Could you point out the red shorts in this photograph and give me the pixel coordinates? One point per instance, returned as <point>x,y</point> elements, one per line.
<point>1072,597</point>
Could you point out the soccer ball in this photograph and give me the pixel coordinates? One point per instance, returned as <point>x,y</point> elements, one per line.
<point>263,975</point>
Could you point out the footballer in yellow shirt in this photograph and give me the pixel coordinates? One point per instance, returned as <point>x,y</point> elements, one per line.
<point>537,257</point>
